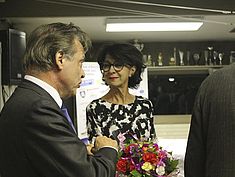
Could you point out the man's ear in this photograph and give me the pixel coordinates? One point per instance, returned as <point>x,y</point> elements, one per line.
<point>59,59</point>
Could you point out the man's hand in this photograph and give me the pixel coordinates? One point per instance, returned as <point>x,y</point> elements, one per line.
<point>103,141</point>
<point>90,148</point>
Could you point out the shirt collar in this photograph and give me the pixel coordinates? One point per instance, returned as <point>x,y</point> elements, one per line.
<point>51,90</point>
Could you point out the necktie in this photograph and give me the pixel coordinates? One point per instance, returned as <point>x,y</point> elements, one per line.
<point>65,111</point>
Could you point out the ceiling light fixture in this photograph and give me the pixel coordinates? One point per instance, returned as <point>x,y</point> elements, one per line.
<point>127,25</point>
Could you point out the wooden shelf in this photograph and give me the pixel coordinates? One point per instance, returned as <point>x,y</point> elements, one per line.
<point>172,119</point>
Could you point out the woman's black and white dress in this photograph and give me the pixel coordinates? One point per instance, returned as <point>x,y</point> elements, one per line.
<point>111,119</point>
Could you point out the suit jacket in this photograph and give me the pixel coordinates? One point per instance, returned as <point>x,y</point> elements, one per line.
<point>211,144</point>
<point>36,140</point>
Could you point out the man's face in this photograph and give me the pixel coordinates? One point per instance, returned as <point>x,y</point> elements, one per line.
<point>72,73</point>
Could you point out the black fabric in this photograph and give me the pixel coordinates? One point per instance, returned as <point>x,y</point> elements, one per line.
<point>37,140</point>
<point>110,119</point>
<point>211,144</point>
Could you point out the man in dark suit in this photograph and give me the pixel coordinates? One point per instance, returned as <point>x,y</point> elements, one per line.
<point>37,139</point>
<point>211,143</point>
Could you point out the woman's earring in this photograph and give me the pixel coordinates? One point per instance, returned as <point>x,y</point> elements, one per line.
<point>103,77</point>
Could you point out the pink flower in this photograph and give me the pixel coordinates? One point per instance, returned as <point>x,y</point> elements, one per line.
<point>121,139</point>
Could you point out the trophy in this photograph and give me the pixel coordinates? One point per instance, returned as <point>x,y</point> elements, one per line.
<point>188,57</point>
<point>160,59</point>
<point>196,58</point>
<point>175,55</point>
<point>232,57</point>
<point>210,55</point>
<point>215,56</point>
<point>138,45</point>
<point>221,55</point>
<point>181,54</point>
<point>206,53</point>
<point>145,59</point>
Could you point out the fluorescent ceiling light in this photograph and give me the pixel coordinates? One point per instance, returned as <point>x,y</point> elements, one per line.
<point>152,26</point>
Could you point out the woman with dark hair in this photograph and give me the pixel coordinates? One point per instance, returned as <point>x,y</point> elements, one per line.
<point>119,111</point>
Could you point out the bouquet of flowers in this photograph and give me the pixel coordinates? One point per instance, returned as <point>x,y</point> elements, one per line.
<point>144,159</point>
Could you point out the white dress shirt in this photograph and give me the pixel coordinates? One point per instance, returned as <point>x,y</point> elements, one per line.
<point>51,90</point>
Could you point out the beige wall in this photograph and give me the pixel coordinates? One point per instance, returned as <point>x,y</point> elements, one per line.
<point>172,132</point>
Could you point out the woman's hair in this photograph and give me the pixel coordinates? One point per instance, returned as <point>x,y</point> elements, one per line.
<point>127,54</point>
<point>46,40</point>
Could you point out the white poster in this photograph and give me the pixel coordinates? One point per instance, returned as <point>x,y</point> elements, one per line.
<point>93,87</point>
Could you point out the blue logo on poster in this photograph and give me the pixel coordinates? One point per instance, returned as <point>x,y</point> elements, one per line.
<point>87,82</point>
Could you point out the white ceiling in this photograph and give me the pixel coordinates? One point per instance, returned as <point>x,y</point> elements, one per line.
<point>215,28</point>
<point>91,15</point>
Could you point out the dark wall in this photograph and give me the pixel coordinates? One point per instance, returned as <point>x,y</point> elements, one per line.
<point>167,49</point>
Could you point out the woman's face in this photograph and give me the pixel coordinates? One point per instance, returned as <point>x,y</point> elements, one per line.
<point>116,74</point>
